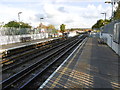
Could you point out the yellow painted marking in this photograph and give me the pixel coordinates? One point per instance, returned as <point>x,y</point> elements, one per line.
<point>115,85</point>
<point>71,81</point>
<point>4,61</point>
<point>68,84</point>
<point>82,79</point>
<point>59,84</point>
<point>78,76</point>
<point>64,70</point>
<point>81,73</point>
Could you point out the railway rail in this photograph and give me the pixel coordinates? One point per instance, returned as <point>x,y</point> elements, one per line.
<point>42,50</point>
<point>27,61</point>
<point>28,76</point>
<point>9,56</point>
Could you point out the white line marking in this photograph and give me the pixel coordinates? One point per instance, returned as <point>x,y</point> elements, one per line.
<point>83,42</point>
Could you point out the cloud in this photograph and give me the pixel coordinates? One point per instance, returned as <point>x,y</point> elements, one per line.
<point>38,16</point>
<point>69,21</point>
<point>62,9</point>
<point>58,1</point>
<point>53,0</point>
<point>54,12</point>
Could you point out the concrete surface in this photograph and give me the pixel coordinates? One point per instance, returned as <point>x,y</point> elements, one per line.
<point>96,66</point>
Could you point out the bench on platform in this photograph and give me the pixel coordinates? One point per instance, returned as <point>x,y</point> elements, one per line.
<point>25,39</point>
<point>101,41</point>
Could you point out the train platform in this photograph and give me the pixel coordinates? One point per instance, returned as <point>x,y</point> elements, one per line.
<point>91,65</point>
<point>22,44</point>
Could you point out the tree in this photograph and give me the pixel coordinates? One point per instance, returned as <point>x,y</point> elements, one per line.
<point>100,23</point>
<point>117,12</point>
<point>62,28</point>
<point>24,25</point>
<point>50,27</point>
<point>41,26</point>
<point>54,31</point>
<point>12,24</point>
<point>51,30</point>
<point>17,24</point>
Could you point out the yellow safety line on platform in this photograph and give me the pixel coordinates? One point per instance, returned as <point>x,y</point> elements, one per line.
<point>64,85</point>
<point>115,85</point>
<point>58,83</point>
<point>82,79</point>
<point>71,82</point>
<point>64,70</point>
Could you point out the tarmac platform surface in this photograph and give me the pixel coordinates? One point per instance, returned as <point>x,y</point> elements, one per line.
<point>23,44</point>
<point>92,66</point>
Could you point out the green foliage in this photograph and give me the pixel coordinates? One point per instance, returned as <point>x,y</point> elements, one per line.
<point>54,31</point>
<point>17,24</point>
<point>12,24</point>
<point>51,27</point>
<point>117,12</point>
<point>100,23</point>
<point>72,29</point>
<point>62,28</point>
<point>24,25</point>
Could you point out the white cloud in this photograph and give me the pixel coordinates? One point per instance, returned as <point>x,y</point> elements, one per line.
<point>55,13</point>
<point>53,0</point>
<point>9,13</point>
<point>75,16</point>
<point>79,1</point>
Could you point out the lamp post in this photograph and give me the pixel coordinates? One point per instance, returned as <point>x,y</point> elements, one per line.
<point>112,3</point>
<point>19,16</point>
<point>41,23</point>
<point>104,14</point>
<point>41,20</point>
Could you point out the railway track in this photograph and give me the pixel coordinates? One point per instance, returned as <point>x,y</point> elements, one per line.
<point>12,69</point>
<point>21,56</point>
<point>15,55</point>
<point>25,77</point>
<point>18,53</point>
<point>12,55</point>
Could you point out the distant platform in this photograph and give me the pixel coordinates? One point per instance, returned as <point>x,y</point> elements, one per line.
<point>92,66</point>
<point>22,44</point>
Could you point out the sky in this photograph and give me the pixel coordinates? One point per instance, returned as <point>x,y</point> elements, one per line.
<point>72,13</point>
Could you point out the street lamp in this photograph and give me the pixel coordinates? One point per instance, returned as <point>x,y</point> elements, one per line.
<point>41,23</point>
<point>19,16</point>
<point>104,14</point>
<point>41,20</point>
<point>112,3</point>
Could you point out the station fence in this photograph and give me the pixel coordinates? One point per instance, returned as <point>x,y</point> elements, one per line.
<point>13,35</point>
<point>111,35</point>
